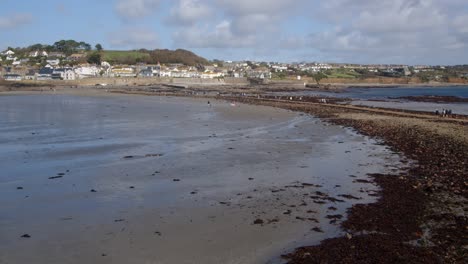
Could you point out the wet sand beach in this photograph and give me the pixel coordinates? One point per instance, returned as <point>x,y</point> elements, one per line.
<point>103,178</point>
<point>421,215</point>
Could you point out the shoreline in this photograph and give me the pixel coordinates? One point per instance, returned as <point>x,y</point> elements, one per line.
<point>425,226</point>
<point>433,192</point>
<point>272,85</point>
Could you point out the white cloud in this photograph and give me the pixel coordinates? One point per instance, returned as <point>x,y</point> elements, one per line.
<point>15,20</point>
<point>461,24</point>
<point>188,12</point>
<point>134,9</point>
<point>134,38</point>
<point>272,7</point>
<point>221,36</point>
<point>400,17</point>
<point>398,31</point>
<point>233,24</point>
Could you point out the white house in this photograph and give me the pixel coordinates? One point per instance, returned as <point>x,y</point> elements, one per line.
<point>165,73</point>
<point>34,54</point>
<point>69,75</point>
<point>12,77</point>
<point>54,62</point>
<point>211,75</point>
<point>9,53</point>
<point>123,71</point>
<point>86,72</point>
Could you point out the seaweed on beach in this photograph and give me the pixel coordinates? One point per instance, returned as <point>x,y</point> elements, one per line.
<point>415,219</point>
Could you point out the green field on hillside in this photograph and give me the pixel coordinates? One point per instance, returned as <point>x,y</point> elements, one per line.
<point>118,55</point>
<point>342,73</point>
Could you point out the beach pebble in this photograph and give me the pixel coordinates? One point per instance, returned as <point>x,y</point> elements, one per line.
<point>258,222</point>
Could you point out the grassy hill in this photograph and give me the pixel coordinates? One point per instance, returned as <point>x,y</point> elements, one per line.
<point>120,55</point>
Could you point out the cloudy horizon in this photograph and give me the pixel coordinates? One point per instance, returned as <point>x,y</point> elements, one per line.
<point>410,32</point>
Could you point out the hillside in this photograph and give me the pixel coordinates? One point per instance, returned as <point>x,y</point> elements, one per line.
<point>162,56</point>
<point>124,56</point>
<point>177,56</point>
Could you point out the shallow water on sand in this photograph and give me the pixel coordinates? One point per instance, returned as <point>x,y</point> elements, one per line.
<point>457,108</point>
<point>385,93</point>
<point>171,180</point>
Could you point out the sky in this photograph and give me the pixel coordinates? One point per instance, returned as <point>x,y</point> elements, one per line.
<point>413,32</point>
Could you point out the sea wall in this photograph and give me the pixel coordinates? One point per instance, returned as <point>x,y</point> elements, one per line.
<point>122,81</point>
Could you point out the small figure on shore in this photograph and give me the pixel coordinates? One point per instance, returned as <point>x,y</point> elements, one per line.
<point>437,112</point>
<point>209,104</point>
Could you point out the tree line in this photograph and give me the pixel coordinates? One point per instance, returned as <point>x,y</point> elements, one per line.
<point>67,47</point>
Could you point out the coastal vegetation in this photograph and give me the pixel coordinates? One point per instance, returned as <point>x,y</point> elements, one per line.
<point>67,48</point>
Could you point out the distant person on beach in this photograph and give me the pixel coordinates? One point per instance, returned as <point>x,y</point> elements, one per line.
<point>209,104</point>
<point>437,112</point>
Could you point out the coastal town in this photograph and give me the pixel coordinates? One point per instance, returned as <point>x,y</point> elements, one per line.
<point>35,63</point>
<point>222,131</point>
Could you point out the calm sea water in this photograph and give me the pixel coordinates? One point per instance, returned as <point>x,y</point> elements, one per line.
<point>386,93</point>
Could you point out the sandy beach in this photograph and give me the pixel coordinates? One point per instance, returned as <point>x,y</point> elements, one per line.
<point>105,178</point>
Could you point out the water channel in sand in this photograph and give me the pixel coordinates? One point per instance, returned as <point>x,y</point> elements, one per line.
<point>134,179</point>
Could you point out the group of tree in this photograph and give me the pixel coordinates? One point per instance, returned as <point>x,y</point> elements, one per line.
<point>96,55</point>
<point>71,46</point>
<point>67,47</point>
<point>176,56</point>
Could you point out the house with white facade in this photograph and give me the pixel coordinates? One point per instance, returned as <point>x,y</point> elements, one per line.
<point>9,53</point>
<point>12,77</point>
<point>69,75</point>
<point>123,71</point>
<point>87,72</point>
<point>207,74</point>
<point>37,53</point>
<point>165,73</point>
<point>54,62</point>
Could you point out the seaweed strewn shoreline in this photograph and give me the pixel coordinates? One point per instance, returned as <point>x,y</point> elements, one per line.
<point>421,215</point>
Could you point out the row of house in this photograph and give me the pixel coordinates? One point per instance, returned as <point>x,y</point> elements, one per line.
<point>52,58</point>
<point>53,70</point>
